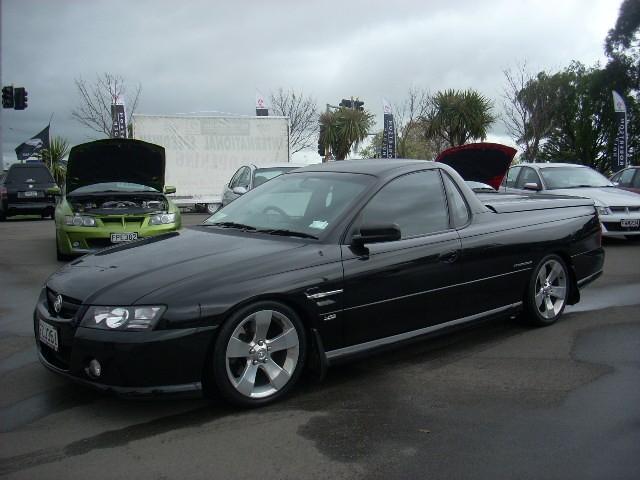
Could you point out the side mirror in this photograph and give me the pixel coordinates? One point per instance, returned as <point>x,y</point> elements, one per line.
<point>54,191</point>
<point>239,190</point>
<point>532,186</point>
<point>169,189</point>
<point>376,234</point>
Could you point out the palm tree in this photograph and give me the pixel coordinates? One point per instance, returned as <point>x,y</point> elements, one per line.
<point>458,116</point>
<point>343,130</point>
<point>53,157</point>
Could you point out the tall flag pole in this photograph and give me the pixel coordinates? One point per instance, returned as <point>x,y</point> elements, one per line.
<point>118,118</point>
<point>261,105</point>
<point>388,149</point>
<point>620,142</point>
<point>33,146</point>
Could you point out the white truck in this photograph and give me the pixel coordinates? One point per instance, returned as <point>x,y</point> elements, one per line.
<point>203,152</point>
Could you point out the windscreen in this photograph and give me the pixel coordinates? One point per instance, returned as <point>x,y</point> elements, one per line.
<point>29,175</point>
<point>303,203</point>
<point>572,177</point>
<point>261,175</point>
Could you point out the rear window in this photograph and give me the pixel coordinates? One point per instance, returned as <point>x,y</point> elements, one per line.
<point>38,174</point>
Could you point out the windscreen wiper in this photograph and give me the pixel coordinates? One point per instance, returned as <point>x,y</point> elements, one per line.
<point>240,226</point>
<point>287,233</point>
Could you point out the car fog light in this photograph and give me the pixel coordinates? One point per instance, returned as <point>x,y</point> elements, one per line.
<point>76,244</point>
<point>94,369</point>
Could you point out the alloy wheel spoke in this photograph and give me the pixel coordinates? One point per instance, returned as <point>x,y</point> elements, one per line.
<point>278,377</point>
<point>540,298</point>
<point>558,292</point>
<point>542,278</point>
<point>555,272</point>
<point>284,341</point>
<point>549,307</point>
<point>263,322</point>
<point>247,380</point>
<point>236,348</point>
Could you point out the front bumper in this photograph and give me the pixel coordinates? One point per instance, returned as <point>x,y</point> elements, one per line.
<point>612,224</point>
<point>82,240</point>
<point>132,363</point>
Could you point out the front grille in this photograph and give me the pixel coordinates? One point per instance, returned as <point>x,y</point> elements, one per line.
<point>625,209</point>
<point>615,227</point>
<point>99,242</point>
<point>127,222</point>
<point>70,306</point>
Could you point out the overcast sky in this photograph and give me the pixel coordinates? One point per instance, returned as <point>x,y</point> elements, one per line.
<point>212,56</point>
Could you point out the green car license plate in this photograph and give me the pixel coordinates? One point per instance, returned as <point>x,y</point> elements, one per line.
<point>123,237</point>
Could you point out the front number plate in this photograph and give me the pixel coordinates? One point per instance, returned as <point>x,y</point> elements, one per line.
<point>630,223</point>
<point>49,335</point>
<point>123,237</point>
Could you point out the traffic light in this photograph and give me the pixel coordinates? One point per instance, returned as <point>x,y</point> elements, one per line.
<point>19,98</point>
<point>346,103</point>
<point>358,105</point>
<point>7,97</point>
<point>354,104</point>
<point>320,144</point>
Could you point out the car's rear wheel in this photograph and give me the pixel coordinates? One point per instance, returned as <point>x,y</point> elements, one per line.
<point>213,208</point>
<point>547,291</point>
<point>259,354</point>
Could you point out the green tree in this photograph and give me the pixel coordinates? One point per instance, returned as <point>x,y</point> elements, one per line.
<point>457,117</point>
<point>54,156</point>
<point>344,129</point>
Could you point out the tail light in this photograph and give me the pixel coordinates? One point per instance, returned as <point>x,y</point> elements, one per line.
<point>3,193</point>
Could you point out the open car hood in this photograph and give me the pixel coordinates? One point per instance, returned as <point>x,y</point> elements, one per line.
<point>479,162</point>
<point>116,160</point>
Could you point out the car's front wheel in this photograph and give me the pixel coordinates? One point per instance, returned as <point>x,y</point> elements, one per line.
<point>547,291</point>
<point>259,354</point>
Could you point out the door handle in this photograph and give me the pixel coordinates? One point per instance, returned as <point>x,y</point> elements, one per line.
<point>449,257</point>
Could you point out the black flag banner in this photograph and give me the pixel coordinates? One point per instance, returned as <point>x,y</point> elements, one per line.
<point>34,145</point>
<point>620,142</point>
<point>119,119</point>
<point>389,133</point>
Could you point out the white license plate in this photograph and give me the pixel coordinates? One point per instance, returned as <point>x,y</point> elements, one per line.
<point>123,237</point>
<point>630,223</point>
<point>30,193</point>
<point>49,335</point>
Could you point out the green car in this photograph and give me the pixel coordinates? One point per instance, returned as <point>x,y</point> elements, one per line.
<point>114,193</point>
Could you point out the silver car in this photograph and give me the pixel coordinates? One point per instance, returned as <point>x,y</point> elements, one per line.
<point>251,176</point>
<point>619,210</point>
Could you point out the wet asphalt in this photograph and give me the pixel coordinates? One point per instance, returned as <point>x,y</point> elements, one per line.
<point>497,400</point>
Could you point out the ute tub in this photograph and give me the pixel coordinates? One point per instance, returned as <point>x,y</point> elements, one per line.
<point>517,203</point>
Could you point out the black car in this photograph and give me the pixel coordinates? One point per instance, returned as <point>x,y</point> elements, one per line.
<point>24,191</point>
<point>315,266</point>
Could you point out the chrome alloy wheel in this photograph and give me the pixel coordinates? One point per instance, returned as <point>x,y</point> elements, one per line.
<point>262,353</point>
<point>550,289</point>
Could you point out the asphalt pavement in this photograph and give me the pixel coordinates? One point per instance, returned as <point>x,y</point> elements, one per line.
<point>498,400</point>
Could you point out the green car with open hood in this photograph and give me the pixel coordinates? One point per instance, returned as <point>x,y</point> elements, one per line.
<point>114,193</point>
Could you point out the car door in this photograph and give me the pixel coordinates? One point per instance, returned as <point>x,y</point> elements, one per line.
<point>404,285</point>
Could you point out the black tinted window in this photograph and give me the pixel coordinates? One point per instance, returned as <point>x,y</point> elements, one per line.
<point>512,175</point>
<point>457,204</point>
<point>625,177</point>
<point>29,174</point>
<point>415,202</point>
<point>636,180</point>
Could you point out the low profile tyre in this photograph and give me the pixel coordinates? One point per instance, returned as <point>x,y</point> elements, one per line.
<point>547,291</point>
<point>259,354</point>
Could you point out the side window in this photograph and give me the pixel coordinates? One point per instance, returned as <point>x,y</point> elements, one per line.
<point>244,178</point>
<point>528,175</point>
<point>625,177</point>
<point>512,175</point>
<point>636,180</point>
<point>234,180</point>
<point>415,202</point>
<point>458,208</point>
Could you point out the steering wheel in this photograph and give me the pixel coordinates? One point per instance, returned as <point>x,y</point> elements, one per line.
<point>277,210</point>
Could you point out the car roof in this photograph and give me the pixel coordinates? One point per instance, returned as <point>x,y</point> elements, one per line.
<point>375,166</point>
<point>281,165</point>
<point>551,165</point>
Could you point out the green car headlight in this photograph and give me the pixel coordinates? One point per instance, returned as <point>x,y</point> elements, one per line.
<point>79,221</point>
<point>162,219</point>
<point>122,318</point>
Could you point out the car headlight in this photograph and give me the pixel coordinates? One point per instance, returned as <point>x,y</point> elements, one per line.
<point>162,219</point>
<point>603,210</point>
<point>122,318</point>
<point>79,220</point>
